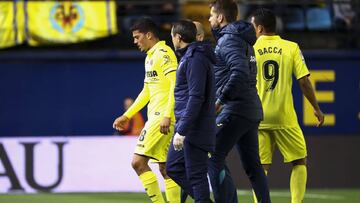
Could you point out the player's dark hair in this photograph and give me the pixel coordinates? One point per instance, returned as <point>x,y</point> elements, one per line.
<point>145,25</point>
<point>226,7</point>
<point>186,29</point>
<point>266,18</point>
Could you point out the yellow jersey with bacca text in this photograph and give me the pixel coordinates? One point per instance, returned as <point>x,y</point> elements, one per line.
<point>159,84</point>
<point>277,60</point>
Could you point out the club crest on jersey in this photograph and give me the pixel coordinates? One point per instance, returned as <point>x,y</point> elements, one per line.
<point>150,62</point>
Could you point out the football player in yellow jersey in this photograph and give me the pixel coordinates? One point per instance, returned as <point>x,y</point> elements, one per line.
<point>277,60</point>
<point>158,94</point>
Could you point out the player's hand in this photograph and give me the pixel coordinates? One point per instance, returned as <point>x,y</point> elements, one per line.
<point>178,142</point>
<point>320,116</point>
<point>120,122</point>
<point>218,108</point>
<point>165,125</point>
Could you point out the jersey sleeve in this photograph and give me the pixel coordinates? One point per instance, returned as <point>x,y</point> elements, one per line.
<point>171,76</point>
<point>299,69</point>
<point>142,99</point>
<point>168,61</point>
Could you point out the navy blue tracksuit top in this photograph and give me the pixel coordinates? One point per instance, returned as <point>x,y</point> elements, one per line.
<point>235,70</point>
<point>195,95</point>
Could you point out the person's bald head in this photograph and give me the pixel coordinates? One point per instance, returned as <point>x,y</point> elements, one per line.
<point>200,34</point>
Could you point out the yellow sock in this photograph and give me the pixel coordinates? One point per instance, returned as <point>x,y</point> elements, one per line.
<point>254,196</point>
<point>298,183</point>
<point>151,186</point>
<point>172,191</point>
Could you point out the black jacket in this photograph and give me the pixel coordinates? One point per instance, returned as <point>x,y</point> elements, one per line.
<point>235,70</point>
<point>195,95</point>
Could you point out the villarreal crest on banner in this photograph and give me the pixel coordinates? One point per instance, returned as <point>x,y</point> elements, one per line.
<point>54,22</point>
<point>11,23</point>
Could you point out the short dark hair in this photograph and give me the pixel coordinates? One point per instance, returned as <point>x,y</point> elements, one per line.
<point>266,18</point>
<point>226,7</point>
<point>186,29</point>
<point>145,25</point>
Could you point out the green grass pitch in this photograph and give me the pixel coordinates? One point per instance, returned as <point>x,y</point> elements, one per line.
<point>277,196</point>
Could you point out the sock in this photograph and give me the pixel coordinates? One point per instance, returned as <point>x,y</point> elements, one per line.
<point>254,196</point>
<point>172,191</point>
<point>151,186</point>
<point>298,183</point>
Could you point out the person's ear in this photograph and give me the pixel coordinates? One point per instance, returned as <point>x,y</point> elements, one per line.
<point>149,35</point>
<point>261,29</point>
<point>178,37</point>
<point>220,18</point>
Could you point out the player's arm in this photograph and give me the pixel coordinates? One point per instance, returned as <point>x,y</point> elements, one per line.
<point>141,100</point>
<point>168,64</point>
<point>165,124</point>
<point>302,73</point>
<point>308,91</point>
<point>234,55</point>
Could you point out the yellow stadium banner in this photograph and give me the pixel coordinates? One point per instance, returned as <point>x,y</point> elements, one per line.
<point>59,22</point>
<point>12,23</point>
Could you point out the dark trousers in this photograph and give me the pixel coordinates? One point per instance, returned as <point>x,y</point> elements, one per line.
<point>237,131</point>
<point>188,168</point>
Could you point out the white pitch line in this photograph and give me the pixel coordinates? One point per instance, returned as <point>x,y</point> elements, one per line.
<point>307,195</point>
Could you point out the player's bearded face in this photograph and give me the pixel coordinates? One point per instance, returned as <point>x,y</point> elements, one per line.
<point>140,40</point>
<point>214,18</point>
<point>175,40</point>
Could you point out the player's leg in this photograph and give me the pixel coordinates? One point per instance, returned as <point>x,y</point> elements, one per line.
<point>196,163</point>
<point>172,189</point>
<point>292,145</point>
<point>298,180</point>
<point>224,189</point>
<point>146,150</point>
<point>160,150</point>
<point>248,148</point>
<point>147,178</point>
<point>175,169</point>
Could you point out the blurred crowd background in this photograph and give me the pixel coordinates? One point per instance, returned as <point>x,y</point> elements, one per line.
<point>314,24</point>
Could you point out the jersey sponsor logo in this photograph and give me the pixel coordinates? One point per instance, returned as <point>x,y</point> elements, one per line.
<point>162,50</point>
<point>270,50</point>
<point>151,74</point>
<point>157,113</point>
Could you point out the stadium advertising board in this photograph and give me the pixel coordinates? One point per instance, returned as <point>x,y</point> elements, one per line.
<point>87,96</point>
<point>336,80</point>
<point>69,164</point>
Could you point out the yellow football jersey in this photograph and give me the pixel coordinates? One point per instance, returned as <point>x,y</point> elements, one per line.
<point>158,84</point>
<point>277,60</point>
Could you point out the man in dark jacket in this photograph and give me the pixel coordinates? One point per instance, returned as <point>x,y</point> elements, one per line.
<point>194,138</point>
<point>238,105</point>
